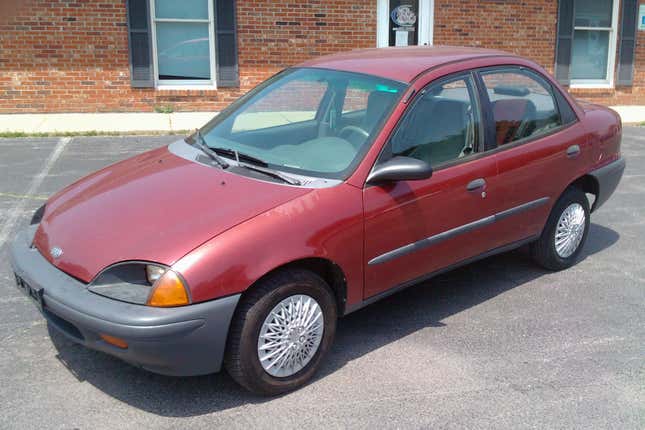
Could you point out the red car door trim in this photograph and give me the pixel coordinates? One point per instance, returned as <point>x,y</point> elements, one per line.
<point>440,237</point>
<point>400,287</point>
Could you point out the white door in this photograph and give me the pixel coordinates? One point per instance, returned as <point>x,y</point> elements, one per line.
<point>404,22</point>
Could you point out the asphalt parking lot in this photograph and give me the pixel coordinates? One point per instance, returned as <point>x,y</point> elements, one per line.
<point>497,344</point>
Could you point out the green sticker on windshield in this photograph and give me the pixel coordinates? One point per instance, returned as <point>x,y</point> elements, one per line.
<point>386,89</point>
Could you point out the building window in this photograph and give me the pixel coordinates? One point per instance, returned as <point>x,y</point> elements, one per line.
<point>593,51</point>
<point>183,42</point>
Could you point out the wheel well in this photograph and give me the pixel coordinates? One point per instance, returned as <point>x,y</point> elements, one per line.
<point>589,185</point>
<point>330,272</point>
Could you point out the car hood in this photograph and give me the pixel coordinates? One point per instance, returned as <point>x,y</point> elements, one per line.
<point>153,207</point>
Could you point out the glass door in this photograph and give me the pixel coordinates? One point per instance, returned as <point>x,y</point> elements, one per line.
<point>404,22</point>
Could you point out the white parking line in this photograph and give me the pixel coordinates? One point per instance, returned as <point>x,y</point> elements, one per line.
<point>14,212</point>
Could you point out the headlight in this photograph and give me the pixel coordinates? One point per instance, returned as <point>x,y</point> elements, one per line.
<point>141,283</point>
<point>153,272</point>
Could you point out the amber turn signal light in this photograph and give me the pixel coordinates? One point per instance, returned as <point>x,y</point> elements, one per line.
<point>115,341</point>
<point>168,290</point>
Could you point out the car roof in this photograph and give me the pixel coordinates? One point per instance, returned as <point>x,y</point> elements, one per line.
<point>400,63</point>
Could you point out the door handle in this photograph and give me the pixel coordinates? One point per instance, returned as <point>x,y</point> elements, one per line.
<point>476,184</point>
<point>573,151</point>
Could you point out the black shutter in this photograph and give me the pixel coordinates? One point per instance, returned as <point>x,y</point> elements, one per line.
<point>139,35</point>
<point>627,42</point>
<point>226,36</point>
<point>564,40</point>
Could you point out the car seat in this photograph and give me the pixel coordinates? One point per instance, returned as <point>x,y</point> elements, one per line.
<point>377,104</point>
<point>442,126</point>
<point>514,119</point>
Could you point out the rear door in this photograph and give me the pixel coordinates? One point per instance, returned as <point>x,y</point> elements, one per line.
<point>413,228</point>
<point>540,147</point>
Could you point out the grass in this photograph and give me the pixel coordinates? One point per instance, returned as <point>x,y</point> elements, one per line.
<point>164,109</point>
<point>15,134</point>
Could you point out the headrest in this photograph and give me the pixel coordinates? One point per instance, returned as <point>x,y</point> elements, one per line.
<point>513,110</point>
<point>377,103</point>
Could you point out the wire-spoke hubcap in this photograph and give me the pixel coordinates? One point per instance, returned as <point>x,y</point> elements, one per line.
<point>290,335</point>
<point>570,230</point>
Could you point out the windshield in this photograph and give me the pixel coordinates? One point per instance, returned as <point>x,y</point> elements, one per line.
<point>307,121</point>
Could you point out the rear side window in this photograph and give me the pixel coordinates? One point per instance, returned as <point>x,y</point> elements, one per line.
<point>523,105</point>
<point>566,111</point>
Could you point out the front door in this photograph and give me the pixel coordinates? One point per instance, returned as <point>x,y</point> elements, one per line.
<point>413,228</point>
<point>404,22</point>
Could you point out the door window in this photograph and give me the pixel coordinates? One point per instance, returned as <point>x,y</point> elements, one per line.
<point>522,103</point>
<point>442,125</point>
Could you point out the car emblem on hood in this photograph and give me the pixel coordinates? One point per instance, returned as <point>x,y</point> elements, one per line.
<point>55,252</point>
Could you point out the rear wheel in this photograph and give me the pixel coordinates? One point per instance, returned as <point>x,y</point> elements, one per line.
<point>565,233</point>
<point>281,332</point>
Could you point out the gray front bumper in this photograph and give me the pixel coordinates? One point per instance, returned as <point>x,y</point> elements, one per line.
<point>181,341</point>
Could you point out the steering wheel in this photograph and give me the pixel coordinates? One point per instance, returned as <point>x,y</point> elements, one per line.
<point>354,129</point>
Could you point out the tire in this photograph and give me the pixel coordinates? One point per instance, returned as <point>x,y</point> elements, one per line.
<point>545,251</point>
<point>289,287</point>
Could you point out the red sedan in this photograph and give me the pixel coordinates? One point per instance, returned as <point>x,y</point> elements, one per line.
<point>331,185</point>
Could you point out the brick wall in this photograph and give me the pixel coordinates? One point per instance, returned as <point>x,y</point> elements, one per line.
<point>524,27</point>
<point>527,28</point>
<point>72,55</point>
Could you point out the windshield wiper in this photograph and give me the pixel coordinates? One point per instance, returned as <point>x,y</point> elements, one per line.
<point>258,165</point>
<point>198,141</point>
<point>237,155</point>
<point>270,172</point>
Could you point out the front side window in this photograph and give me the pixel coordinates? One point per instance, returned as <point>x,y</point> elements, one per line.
<point>594,42</point>
<point>307,121</point>
<point>183,36</point>
<point>441,126</point>
<point>522,103</point>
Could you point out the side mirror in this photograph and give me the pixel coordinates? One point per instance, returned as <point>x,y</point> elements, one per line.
<point>400,169</point>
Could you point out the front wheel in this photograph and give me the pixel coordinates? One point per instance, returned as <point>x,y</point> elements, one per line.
<point>281,332</point>
<point>565,233</point>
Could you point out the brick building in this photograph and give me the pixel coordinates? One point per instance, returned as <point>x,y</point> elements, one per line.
<point>142,55</point>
